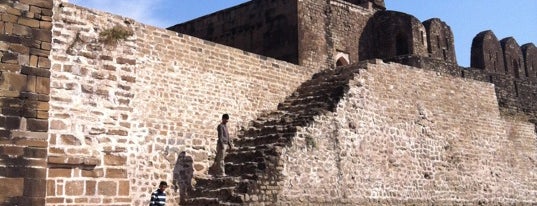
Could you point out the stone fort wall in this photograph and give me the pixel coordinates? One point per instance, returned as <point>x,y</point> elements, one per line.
<point>125,117</point>
<point>407,136</point>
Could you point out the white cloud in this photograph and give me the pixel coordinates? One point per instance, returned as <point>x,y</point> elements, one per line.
<point>141,10</point>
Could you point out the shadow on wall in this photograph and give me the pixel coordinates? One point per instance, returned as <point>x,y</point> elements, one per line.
<point>182,175</point>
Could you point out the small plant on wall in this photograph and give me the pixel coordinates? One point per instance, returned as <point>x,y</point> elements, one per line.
<point>114,35</point>
<point>310,142</point>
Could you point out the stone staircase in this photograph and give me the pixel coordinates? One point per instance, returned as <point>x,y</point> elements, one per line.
<point>252,167</point>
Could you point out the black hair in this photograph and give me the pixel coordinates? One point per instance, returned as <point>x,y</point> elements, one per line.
<point>163,183</point>
<point>225,116</point>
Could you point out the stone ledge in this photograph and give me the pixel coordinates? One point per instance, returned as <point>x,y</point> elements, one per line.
<point>73,161</point>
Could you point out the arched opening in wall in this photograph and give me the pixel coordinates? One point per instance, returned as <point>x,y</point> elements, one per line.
<point>342,59</point>
<point>341,62</point>
<point>401,45</point>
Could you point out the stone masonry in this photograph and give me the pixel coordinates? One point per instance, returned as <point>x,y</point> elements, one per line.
<point>125,117</point>
<point>25,44</point>
<point>97,108</point>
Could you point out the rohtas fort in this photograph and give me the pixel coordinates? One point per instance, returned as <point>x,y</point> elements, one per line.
<point>331,102</point>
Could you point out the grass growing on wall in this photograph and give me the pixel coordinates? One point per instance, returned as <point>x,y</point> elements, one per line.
<point>114,35</point>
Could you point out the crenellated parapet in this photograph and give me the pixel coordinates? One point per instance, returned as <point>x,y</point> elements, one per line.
<point>440,40</point>
<point>487,53</point>
<point>504,57</point>
<point>513,59</point>
<point>510,67</point>
<point>373,4</point>
<point>530,60</point>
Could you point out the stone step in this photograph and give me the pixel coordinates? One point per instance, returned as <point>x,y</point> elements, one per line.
<point>245,156</point>
<point>271,139</point>
<point>216,182</point>
<point>221,193</point>
<point>301,108</point>
<point>245,169</point>
<point>205,201</point>
<point>201,201</point>
<point>322,86</point>
<point>268,129</point>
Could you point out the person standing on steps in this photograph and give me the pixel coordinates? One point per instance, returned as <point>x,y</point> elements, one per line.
<point>158,197</point>
<point>223,144</point>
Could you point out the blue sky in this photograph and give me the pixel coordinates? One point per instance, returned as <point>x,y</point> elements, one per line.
<point>516,18</point>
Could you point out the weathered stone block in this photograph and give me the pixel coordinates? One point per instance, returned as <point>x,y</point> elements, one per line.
<point>44,35</point>
<point>33,200</point>
<point>91,187</point>
<point>117,132</point>
<point>21,139</point>
<point>39,52</point>
<point>109,67</point>
<point>6,17</point>
<point>34,60</point>
<point>116,173</point>
<point>42,106</point>
<point>11,150</point>
<point>37,125</point>
<point>95,173</point>
<point>13,11</point>
<point>12,122</point>
<point>42,115</point>
<point>52,199</point>
<point>115,160</point>
<point>124,188</point>
<point>8,28</point>
<point>81,200</point>
<point>22,30</point>
<point>67,140</point>
<point>51,188</point>
<point>31,83</point>
<point>59,172</point>
<point>57,125</point>
<point>39,3</point>
<point>43,85</point>
<point>17,82</point>
<point>45,25</point>
<point>74,188</point>
<point>46,46</point>
<point>107,188</point>
<point>36,172</point>
<point>10,67</point>
<point>44,63</point>
<point>130,79</point>
<point>19,48</point>
<point>28,22</point>
<point>32,152</point>
<point>35,71</point>
<point>35,187</point>
<point>121,60</point>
